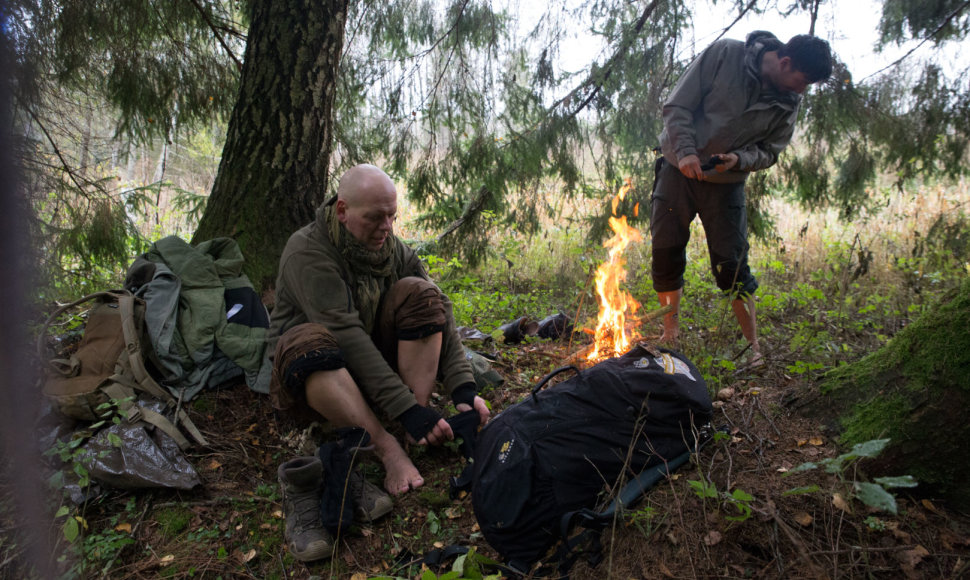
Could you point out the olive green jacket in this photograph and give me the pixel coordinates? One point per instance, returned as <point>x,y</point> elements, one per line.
<point>720,106</point>
<point>316,284</point>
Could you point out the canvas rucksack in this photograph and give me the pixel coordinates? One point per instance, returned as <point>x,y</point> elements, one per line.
<point>109,364</point>
<point>549,457</point>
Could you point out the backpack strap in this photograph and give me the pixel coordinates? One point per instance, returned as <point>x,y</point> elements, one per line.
<point>132,360</point>
<point>594,522</point>
<point>122,390</point>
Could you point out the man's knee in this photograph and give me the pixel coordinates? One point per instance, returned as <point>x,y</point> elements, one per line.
<point>415,308</point>
<point>302,351</point>
<point>667,269</point>
<point>733,276</point>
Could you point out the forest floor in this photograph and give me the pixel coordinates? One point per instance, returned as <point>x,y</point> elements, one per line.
<point>231,525</point>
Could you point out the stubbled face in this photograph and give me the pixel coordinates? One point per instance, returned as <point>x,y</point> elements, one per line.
<point>788,78</point>
<point>370,214</point>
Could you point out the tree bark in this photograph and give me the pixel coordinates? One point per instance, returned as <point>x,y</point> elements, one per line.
<point>274,168</point>
<point>915,391</point>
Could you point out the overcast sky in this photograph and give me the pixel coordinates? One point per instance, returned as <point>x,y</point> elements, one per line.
<point>849,25</point>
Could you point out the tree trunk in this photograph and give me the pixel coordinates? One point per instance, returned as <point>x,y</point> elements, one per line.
<point>273,172</point>
<point>915,391</point>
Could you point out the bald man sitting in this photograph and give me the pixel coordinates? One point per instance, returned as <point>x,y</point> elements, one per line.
<point>358,331</point>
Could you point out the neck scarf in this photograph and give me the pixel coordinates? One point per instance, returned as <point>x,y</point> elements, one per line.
<point>372,269</point>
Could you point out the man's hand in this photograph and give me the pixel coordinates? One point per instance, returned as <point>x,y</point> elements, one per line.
<point>690,166</point>
<point>439,434</point>
<point>728,161</point>
<point>479,405</point>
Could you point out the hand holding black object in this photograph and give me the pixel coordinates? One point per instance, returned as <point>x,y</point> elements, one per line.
<point>419,421</point>
<point>713,162</point>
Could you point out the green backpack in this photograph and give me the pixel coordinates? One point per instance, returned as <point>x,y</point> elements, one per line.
<point>109,364</point>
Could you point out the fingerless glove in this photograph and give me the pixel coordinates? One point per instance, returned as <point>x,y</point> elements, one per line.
<point>418,421</point>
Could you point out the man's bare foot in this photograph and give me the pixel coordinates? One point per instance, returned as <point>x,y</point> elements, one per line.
<point>401,474</point>
<point>755,360</point>
<point>669,339</point>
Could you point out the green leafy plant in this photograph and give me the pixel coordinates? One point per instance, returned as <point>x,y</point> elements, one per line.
<point>737,499</point>
<point>469,566</point>
<point>647,519</point>
<point>874,494</point>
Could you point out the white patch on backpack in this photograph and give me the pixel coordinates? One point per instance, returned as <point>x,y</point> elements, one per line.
<point>670,364</point>
<point>674,366</point>
<point>503,452</point>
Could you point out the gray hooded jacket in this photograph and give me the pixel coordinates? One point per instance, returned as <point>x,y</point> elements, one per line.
<point>720,106</point>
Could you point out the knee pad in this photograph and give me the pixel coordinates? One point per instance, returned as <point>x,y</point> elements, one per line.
<point>667,269</point>
<point>418,308</point>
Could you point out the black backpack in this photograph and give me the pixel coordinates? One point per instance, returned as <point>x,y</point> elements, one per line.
<point>547,458</point>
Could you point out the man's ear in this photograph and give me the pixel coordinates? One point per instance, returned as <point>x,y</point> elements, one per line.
<point>341,207</point>
<point>785,64</point>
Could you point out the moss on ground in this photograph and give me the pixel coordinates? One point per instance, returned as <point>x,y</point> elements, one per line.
<point>914,391</point>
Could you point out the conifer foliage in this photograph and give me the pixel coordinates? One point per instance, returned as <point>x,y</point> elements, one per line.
<point>475,105</point>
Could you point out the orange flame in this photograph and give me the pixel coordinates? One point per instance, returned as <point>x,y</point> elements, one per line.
<point>615,303</point>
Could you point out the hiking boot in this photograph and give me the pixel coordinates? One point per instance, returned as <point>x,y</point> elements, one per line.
<point>370,501</point>
<point>301,480</point>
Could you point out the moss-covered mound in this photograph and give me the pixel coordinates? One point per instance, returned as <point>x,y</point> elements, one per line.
<point>916,391</point>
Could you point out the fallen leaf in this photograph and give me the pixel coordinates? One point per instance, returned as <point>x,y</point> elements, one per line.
<point>278,514</point>
<point>950,539</point>
<point>804,519</point>
<point>214,464</point>
<point>251,428</point>
<point>817,441</point>
<point>255,442</point>
<point>801,442</point>
<point>266,526</point>
<point>243,558</point>
<point>712,538</point>
<point>166,559</point>
<point>358,576</point>
<point>839,502</point>
<point>725,394</point>
<point>782,469</point>
<point>913,557</point>
<point>438,545</point>
<point>665,570</point>
<point>126,527</point>
<point>929,505</point>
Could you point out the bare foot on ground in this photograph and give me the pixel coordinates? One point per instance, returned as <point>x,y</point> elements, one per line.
<point>756,360</point>
<point>669,340</point>
<point>401,474</point>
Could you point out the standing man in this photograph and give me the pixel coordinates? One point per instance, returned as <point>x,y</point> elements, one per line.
<point>358,333</point>
<point>731,113</point>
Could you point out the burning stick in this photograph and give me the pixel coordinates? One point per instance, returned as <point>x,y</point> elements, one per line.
<point>582,354</point>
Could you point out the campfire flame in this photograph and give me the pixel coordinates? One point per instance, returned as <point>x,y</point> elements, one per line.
<point>615,303</point>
